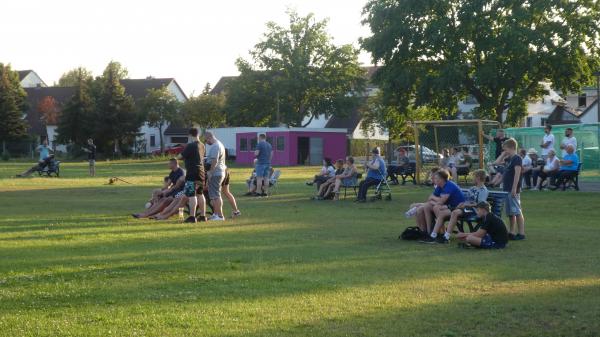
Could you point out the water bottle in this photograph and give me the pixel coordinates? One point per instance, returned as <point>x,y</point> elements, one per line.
<point>181,209</point>
<point>411,212</point>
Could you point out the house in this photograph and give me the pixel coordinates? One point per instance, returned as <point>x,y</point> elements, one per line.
<point>294,146</point>
<point>41,98</point>
<point>30,79</point>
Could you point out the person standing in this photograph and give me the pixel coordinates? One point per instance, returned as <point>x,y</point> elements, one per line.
<point>264,155</point>
<point>192,155</point>
<point>511,183</point>
<point>499,139</point>
<point>568,140</point>
<point>216,174</point>
<point>44,150</point>
<point>547,142</point>
<point>91,151</point>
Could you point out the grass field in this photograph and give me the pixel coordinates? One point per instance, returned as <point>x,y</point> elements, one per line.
<point>73,263</point>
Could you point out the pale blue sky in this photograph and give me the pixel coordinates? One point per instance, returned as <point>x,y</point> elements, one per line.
<point>194,41</point>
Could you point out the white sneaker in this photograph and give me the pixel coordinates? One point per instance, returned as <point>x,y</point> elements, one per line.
<point>215,217</point>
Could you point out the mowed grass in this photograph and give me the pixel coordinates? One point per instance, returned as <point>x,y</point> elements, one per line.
<point>74,263</point>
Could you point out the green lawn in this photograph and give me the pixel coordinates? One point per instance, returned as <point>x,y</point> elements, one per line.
<point>73,263</point>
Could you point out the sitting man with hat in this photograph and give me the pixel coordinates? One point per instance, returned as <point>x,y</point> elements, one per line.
<point>492,233</point>
<point>376,172</point>
<point>531,168</point>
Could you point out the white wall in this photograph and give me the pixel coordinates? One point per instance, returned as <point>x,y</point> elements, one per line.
<point>591,116</point>
<point>32,80</point>
<point>51,131</point>
<point>377,134</point>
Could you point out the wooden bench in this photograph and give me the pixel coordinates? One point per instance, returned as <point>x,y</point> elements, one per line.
<point>496,200</point>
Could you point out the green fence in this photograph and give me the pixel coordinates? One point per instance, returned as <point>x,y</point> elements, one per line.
<point>588,139</point>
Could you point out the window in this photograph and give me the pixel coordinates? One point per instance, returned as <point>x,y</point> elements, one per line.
<point>544,120</point>
<point>270,140</point>
<point>280,143</point>
<point>529,122</point>
<point>253,144</point>
<point>153,141</point>
<point>582,100</point>
<point>243,144</point>
<point>179,140</point>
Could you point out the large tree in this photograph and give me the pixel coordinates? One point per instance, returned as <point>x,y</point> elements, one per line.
<point>206,110</point>
<point>12,106</point>
<point>116,119</point>
<point>159,108</point>
<point>306,75</point>
<point>73,77</point>
<point>77,118</point>
<point>436,52</point>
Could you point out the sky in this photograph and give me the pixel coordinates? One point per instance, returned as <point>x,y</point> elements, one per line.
<point>193,41</point>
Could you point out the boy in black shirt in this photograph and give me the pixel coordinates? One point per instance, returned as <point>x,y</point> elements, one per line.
<point>492,234</point>
<point>511,183</point>
<point>193,155</point>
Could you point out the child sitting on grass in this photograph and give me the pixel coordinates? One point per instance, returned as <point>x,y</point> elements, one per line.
<point>491,235</point>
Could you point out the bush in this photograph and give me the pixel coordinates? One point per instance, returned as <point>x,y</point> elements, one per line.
<point>5,156</point>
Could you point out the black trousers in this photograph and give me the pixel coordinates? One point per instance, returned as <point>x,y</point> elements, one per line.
<point>364,185</point>
<point>563,176</point>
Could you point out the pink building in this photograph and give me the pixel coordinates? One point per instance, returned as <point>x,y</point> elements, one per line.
<point>294,146</point>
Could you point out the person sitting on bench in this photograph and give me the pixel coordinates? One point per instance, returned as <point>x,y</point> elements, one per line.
<point>346,179</point>
<point>568,167</point>
<point>402,164</point>
<point>477,194</point>
<point>491,235</point>
<point>327,171</point>
<point>448,197</point>
<point>327,187</point>
<point>376,172</point>
<point>452,162</point>
<point>550,170</point>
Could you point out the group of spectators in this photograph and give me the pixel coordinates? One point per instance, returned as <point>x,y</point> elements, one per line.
<point>537,170</point>
<point>332,178</point>
<point>448,203</point>
<point>205,177</point>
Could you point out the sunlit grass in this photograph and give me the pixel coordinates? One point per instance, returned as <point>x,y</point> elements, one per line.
<point>73,263</point>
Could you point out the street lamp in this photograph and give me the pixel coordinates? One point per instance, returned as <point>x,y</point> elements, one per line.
<point>597,74</point>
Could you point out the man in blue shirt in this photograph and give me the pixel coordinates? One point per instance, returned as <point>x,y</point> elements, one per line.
<point>447,196</point>
<point>264,155</point>
<point>568,167</point>
<point>376,172</point>
<point>44,150</point>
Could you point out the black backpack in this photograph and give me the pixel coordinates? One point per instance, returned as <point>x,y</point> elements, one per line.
<point>411,233</point>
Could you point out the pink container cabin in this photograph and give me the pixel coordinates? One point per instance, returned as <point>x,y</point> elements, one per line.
<point>294,146</point>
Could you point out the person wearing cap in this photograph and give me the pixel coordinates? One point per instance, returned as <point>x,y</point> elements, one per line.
<point>492,233</point>
<point>376,172</point>
<point>568,167</point>
<point>568,140</point>
<point>531,168</point>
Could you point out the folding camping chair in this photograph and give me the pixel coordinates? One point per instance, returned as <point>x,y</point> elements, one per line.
<point>273,182</point>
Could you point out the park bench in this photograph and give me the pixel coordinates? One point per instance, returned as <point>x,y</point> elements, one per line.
<point>496,200</point>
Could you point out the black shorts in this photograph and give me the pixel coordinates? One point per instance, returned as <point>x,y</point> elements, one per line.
<point>226,179</point>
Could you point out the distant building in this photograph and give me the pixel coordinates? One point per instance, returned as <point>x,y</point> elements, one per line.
<point>30,79</point>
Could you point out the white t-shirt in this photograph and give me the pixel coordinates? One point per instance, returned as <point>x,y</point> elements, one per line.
<point>217,151</point>
<point>551,164</point>
<point>330,171</point>
<point>549,138</point>
<point>527,161</point>
<point>568,141</point>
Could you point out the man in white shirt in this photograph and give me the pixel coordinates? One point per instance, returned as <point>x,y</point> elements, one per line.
<point>568,140</point>
<point>216,174</point>
<point>548,141</point>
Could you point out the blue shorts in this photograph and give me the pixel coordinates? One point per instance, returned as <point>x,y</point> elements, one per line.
<point>513,205</point>
<point>488,243</point>
<point>263,171</point>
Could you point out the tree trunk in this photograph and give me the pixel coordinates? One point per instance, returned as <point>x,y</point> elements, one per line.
<point>499,113</point>
<point>160,136</point>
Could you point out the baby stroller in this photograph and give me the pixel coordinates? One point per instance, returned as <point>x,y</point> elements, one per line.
<point>49,166</point>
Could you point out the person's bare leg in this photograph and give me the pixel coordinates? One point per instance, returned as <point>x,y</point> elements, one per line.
<point>193,204</point>
<point>201,204</point>
<point>172,209</point>
<point>266,185</point>
<point>513,224</point>
<point>521,223</point>
<point>441,214</point>
<point>156,208</point>
<point>259,185</point>
<point>420,219</point>
<point>230,198</point>
<point>474,240</point>
<point>453,221</point>
<point>454,174</point>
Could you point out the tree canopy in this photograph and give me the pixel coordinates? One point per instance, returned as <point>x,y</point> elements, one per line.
<point>159,108</point>
<point>296,72</point>
<point>72,77</point>
<point>12,105</point>
<point>76,120</point>
<point>436,52</point>
<point>206,110</point>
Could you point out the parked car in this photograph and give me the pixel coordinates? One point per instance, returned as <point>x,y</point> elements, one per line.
<point>429,156</point>
<point>171,150</point>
